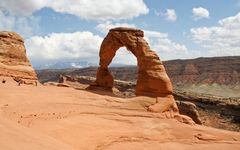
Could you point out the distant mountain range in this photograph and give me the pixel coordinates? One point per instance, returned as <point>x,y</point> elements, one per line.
<point>215,75</point>
<point>71,64</point>
<point>64,65</point>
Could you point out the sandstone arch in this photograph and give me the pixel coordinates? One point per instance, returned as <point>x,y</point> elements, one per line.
<point>152,78</point>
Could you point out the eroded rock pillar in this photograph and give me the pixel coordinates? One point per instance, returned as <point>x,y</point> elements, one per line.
<point>108,50</point>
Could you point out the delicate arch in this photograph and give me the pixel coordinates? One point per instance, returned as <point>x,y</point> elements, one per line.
<point>152,78</point>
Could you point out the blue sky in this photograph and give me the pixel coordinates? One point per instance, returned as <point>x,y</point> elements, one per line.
<point>72,31</point>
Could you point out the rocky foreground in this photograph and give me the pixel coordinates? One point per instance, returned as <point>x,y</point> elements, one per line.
<point>50,117</point>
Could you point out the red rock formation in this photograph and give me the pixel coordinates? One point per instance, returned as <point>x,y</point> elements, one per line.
<point>13,60</point>
<point>152,78</point>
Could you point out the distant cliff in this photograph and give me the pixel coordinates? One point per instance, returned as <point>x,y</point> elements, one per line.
<point>219,70</point>
<point>215,75</point>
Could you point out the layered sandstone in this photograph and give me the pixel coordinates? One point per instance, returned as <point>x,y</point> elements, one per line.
<point>13,59</point>
<point>152,78</point>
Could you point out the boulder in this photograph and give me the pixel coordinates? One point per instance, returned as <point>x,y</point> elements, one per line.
<point>189,109</point>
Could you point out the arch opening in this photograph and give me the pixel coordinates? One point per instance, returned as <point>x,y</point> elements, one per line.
<point>124,71</point>
<point>123,57</point>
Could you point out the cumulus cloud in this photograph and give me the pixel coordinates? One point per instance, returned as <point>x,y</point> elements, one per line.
<point>83,46</point>
<point>21,7</point>
<point>100,9</point>
<point>166,45</point>
<point>170,15</point>
<point>90,10</point>
<point>105,27</point>
<point>200,13</point>
<point>154,34</point>
<point>25,26</point>
<point>124,57</point>
<point>220,40</point>
<point>17,15</point>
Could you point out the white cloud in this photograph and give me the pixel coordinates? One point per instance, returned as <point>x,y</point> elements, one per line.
<point>17,15</point>
<point>200,13</point>
<point>83,46</point>
<point>74,65</point>
<point>21,7</point>
<point>25,26</point>
<point>220,40</point>
<point>105,27</point>
<point>124,57</point>
<point>154,34</point>
<point>166,45</point>
<point>160,42</point>
<point>90,10</point>
<point>170,15</point>
<point>100,9</point>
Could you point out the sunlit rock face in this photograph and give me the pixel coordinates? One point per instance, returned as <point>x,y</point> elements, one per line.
<point>13,60</point>
<point>152,77</point>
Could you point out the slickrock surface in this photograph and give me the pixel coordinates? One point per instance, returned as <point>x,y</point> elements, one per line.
<point>15,137</point>
<point>13,59</point>
<point>50,117</point>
